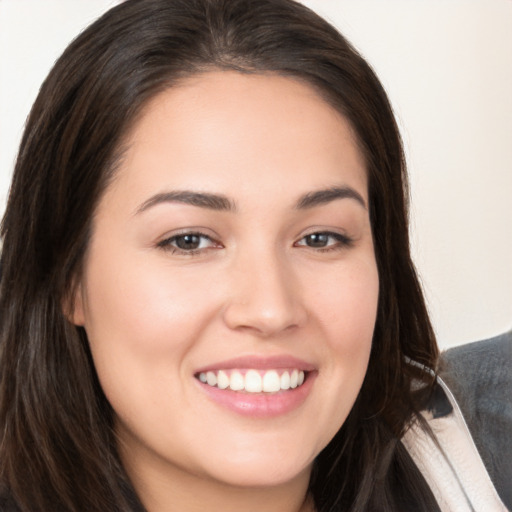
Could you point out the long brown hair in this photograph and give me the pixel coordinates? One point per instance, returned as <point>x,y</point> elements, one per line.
<point>57,445</point>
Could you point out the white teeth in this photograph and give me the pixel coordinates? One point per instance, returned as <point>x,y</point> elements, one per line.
<point>236,382</point>
<point>271,382</point>
<point>294,379</point>
<point>285,380</point>
<point>222,380</point>
<point>211,378</point>
<point>254,381</point>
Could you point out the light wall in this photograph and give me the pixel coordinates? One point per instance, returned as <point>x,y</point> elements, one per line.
<point>447,66</point>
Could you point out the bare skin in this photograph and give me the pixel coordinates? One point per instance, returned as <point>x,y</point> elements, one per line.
<point>234,239</point>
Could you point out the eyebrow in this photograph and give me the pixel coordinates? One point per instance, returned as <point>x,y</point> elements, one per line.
<point>321,197</point>
<point>201,199</point>
<point>219,202</point>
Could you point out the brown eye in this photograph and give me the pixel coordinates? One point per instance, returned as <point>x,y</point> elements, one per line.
<point>187,242</point>
<point>325,240</point>
<point>317,240</point>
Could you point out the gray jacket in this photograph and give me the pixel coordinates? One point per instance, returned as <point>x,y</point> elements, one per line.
<point>480,377</point>
<point>469,468</point>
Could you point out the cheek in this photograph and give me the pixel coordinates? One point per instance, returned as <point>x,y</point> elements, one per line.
<point>347,306</point>
<point>139,301</point>
<point>347,310</point>
<point>141,323</point>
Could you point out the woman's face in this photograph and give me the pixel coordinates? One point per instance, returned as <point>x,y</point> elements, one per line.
<point>232,250</point>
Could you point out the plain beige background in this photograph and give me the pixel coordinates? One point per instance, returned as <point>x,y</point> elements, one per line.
<point>447,66</point>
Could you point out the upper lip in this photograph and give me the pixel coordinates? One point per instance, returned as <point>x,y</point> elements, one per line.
<point>260,363</point>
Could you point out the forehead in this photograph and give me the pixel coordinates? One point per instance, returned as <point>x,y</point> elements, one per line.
<point>227,129</point>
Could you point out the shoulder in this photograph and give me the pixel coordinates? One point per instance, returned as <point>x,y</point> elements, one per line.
<point>480,377</point>
<point>478,364</point>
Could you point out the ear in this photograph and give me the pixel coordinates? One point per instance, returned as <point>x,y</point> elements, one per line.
<point>73,306</point>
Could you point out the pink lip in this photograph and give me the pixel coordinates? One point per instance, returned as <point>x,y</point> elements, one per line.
<point>259,363</point>
<point>260,405</point>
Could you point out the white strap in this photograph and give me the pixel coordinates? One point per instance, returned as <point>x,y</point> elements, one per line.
<point>456,474</point>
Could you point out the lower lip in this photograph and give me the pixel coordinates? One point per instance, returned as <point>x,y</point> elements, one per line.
<point>261,405</point>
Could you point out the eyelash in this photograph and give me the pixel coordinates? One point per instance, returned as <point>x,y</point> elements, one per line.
<point>342,241</point>
<point>167,243</point>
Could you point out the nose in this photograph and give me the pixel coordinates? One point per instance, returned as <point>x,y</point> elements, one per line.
<point>265,296</point>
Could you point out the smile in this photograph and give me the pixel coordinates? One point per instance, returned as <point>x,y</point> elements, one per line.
<point>256,386</point>
<point>254,381</point>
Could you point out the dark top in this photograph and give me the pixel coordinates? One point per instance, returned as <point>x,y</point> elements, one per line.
<point>480,377</point>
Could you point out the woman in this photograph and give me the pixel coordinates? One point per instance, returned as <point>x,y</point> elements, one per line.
<point>207,295</point>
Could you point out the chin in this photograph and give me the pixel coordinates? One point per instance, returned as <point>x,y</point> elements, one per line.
<point>267,467</point>
<point>262,474</point>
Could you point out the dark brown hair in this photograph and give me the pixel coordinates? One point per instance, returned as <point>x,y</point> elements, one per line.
<point>57,446</point>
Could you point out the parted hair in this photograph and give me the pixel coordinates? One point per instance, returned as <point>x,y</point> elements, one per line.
<point>57,441</point>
